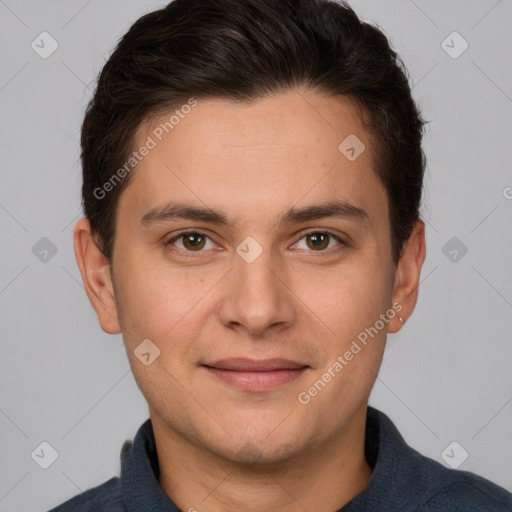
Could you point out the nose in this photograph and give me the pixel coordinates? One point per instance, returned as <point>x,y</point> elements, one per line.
<point>257,296</point>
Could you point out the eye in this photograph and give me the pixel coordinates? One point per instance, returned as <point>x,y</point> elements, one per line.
<point>192,241</point>
<point>319,241</point>
<point>196,241</point>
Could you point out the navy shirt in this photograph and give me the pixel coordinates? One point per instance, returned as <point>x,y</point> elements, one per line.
<point>403,480</point>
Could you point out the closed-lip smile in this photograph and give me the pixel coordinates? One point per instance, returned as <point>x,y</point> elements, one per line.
<point>256,375</point>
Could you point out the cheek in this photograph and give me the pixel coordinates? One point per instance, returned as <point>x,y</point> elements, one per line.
<point>349,298</point>
<point>350,305</point>
<point>162,304</point>
<point>146,291</point>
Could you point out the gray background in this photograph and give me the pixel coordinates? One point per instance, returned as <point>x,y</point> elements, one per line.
<point>445,376</point>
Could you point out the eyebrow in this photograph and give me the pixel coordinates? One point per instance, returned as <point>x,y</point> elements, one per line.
<point>336,209</point>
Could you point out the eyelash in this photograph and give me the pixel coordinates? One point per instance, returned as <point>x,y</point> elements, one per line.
<point>192,254</point>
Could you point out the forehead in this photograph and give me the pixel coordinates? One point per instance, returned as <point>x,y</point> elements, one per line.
<point>291,148</point>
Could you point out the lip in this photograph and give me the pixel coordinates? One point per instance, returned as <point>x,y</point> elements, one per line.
<point>256,375</point>
<point>243,364</point>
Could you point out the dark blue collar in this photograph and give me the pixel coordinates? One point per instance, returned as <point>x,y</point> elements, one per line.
<point>398,471</point>
<point>140,471</point>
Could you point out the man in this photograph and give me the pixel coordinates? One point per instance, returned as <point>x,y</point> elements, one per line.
<point>252,181</point>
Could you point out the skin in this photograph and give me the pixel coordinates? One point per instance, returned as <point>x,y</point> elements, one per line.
<point>222,448</point>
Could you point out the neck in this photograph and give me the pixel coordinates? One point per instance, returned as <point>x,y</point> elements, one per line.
<point>323,479</point>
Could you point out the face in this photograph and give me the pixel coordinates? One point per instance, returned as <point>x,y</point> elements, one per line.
<point>255,294</point>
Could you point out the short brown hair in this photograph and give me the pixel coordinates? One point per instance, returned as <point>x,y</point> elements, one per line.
<point>243,50</point>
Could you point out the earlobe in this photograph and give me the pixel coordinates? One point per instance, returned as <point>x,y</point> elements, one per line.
<point>95,271</point>
<point>407,276</point>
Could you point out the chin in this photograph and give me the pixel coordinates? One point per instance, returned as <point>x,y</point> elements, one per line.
<point>263,442</point>
<point>261,454</point>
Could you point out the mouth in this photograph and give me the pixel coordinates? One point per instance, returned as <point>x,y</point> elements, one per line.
<point>256,375</point>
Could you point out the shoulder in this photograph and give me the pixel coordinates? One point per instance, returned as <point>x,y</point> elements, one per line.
<point>104,497</point>
<point>413,482</point>
<point>463,491</point>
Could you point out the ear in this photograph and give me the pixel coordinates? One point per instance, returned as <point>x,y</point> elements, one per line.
<point>407,275</point>
<point>96,277</point>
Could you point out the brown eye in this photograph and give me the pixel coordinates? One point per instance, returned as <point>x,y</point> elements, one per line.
<point>191,241</point>
<point>319,241</point>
